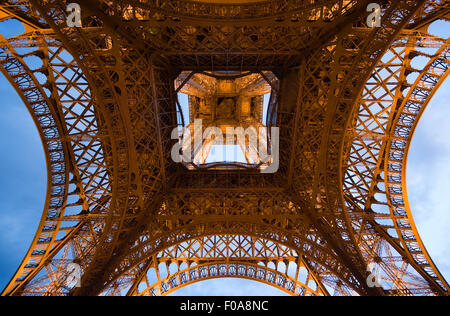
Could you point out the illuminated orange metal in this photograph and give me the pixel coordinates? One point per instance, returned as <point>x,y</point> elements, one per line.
<point>104,102</point>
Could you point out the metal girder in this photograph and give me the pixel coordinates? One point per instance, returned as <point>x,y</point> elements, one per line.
<point>107,107</point>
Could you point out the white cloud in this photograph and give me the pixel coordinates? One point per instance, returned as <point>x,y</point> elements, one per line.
<point>429,179</point>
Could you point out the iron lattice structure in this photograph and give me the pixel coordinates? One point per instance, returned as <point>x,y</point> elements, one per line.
<point>104,102</point>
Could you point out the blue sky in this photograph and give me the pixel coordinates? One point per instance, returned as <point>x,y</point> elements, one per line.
<point>23,180</point>
<point>219,153</point>
<point>23,188</point>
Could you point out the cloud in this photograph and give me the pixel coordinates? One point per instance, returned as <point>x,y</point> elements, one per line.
<point>428,178</point>
<point>23,181</point>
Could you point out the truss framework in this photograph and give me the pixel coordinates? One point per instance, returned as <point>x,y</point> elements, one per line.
<point>103,101</point>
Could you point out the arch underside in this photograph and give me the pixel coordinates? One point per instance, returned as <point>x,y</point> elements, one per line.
<point>240,270</point>
<point>116,204</point>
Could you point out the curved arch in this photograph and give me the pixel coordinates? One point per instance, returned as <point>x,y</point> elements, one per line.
<point>329,102</point>
<point>70,129</point>
<point>38,104</point>
<point>106,71</point>
<point>135,157</point>
<point>243,270</point>
<point>186,215</point>
<point>409,114</point>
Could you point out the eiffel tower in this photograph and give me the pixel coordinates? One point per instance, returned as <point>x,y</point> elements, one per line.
<point>103,79</point>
